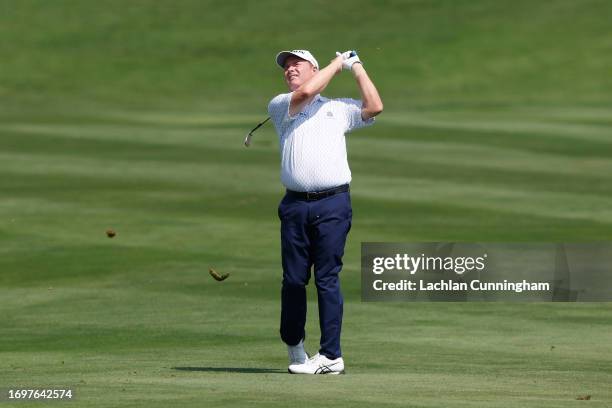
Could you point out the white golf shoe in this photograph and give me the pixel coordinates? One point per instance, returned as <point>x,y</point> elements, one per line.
<point>297,354</point>
<point>318,364</point>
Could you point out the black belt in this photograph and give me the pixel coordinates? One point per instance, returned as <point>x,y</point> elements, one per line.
<point>317,195</point>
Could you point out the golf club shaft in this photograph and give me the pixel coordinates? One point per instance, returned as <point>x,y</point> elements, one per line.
<point>247,140</point>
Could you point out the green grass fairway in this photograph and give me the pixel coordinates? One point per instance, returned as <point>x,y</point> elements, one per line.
<point>497,127</point>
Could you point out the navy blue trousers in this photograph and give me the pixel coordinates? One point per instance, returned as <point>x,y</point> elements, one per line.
<point>313,233</point>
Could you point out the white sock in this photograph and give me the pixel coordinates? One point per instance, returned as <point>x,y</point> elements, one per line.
<point>297,354</point>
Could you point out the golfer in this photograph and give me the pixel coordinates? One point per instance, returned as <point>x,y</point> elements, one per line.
<point>316,211</point>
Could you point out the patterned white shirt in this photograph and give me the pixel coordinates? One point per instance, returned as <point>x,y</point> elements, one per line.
<point>312,143</point>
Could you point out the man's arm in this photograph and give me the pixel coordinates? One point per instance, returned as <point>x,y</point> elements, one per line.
<point>315,85</point>
<point>372,104</point>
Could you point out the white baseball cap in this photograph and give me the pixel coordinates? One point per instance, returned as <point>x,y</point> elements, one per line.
<point>303,54</point>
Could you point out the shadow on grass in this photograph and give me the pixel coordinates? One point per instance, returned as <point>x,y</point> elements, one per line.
<point>241,370</point>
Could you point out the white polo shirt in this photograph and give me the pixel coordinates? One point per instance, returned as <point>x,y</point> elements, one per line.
<point>312,143</point>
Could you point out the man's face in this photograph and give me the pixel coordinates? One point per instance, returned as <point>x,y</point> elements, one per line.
<point>297,71</point>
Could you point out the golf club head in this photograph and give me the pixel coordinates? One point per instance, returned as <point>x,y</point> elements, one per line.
<point>247,139</point>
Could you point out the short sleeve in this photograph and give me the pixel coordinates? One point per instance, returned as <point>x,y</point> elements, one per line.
<point>353,108</point>
<point>278,109</point>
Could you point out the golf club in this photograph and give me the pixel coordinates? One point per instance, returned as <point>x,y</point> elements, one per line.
<point>247,139</point>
